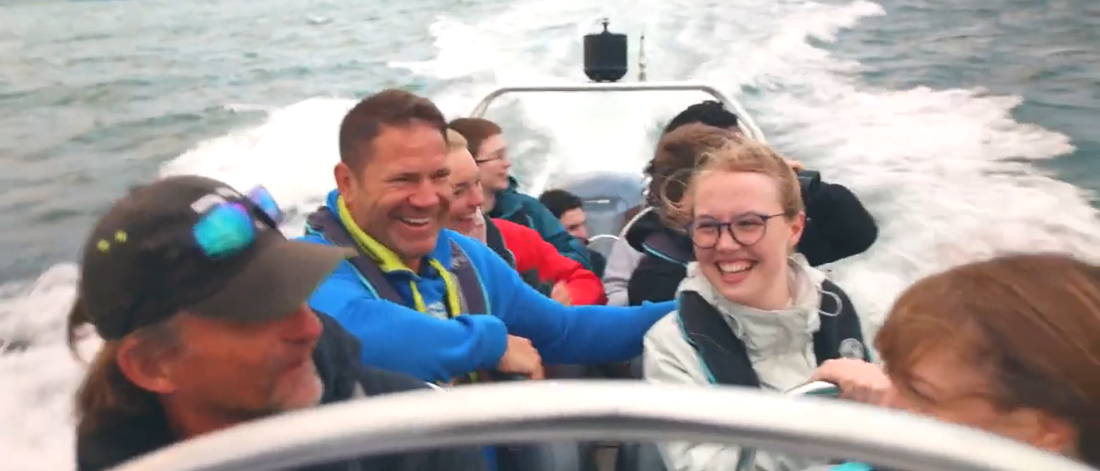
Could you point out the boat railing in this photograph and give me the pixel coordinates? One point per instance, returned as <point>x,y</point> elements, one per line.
<point>746,460</point>
<point>747,124</point>
<point>600,237</point>
<point>540,411</point>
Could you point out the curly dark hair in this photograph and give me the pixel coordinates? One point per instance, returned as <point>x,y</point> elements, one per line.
<point>710,113</point>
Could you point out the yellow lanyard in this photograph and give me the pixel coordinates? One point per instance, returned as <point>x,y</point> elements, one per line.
<point>389,262</point>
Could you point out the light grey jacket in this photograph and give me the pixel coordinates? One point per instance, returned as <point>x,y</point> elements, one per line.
<point>621,262</point>
<point>780,347</point>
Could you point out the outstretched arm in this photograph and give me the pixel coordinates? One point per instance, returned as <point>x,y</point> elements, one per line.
<point>445,348</point>
<point>578,335</point>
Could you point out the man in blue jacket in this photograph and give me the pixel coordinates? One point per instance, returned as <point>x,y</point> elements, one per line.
<point>427,301</point>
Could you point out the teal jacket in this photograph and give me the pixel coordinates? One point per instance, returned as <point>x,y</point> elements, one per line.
<point>525,210</point>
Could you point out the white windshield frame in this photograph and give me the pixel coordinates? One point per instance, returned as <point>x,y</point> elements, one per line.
<point>745,120</point>
<point>600,410</point>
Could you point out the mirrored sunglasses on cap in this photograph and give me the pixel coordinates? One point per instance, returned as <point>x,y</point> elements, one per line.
<point>229,227</point>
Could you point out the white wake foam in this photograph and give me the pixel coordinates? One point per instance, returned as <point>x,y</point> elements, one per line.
<point>944,171</point>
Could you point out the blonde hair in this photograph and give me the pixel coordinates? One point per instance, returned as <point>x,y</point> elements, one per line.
<point>739,154</point>
<point>455,141</point>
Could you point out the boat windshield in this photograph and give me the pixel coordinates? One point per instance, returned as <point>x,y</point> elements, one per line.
<point>609,195</point>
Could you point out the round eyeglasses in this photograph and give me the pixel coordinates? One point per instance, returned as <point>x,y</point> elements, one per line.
<point>746,229</point>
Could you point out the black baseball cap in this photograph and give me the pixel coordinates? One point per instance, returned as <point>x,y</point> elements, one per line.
<point>141,263</point>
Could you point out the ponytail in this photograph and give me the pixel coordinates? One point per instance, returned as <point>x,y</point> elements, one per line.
<point>106,394</point>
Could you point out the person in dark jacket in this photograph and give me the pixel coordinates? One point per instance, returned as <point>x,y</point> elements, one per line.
<point>485,141</point>
<point>837,224</point>
<point>666,248</point>
<point>200,301</point>
<point>569,209</point>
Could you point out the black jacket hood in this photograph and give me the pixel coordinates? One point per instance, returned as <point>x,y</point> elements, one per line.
<point>649,235</point>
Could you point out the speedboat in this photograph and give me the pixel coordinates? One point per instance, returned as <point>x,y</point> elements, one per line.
<point>512,413</point>
<point>539,412</point>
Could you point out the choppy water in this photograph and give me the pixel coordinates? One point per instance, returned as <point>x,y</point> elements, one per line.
<point>965,125</point>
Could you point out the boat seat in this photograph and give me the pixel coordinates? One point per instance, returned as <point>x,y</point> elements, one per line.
<point>557,456</point>
<point>639,456</point>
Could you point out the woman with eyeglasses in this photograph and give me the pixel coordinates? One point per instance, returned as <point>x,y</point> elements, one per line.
<point>751,311</point>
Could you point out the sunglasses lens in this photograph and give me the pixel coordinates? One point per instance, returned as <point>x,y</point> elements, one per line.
<point>263,198</point>
<point>224,230</point>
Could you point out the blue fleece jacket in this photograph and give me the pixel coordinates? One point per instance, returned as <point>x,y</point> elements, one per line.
<point>433,348</point>
<point>526,210</point>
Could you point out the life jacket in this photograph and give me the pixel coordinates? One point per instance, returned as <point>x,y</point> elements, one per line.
<point>470,293</point>
<point>724,356</point>
<point>519,216</point>
<point>664,245</point>
<point>495,241</point>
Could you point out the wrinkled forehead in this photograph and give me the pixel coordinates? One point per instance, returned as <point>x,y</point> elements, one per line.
<point>202,331</point>
<point>405,145</point>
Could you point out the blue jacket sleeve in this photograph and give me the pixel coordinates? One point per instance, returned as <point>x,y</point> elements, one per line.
<point>578,335</point>
<point>444,348</point>
<point>551,230</point>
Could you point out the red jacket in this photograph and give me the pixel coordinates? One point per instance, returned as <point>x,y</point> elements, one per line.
<point>533,253</point>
